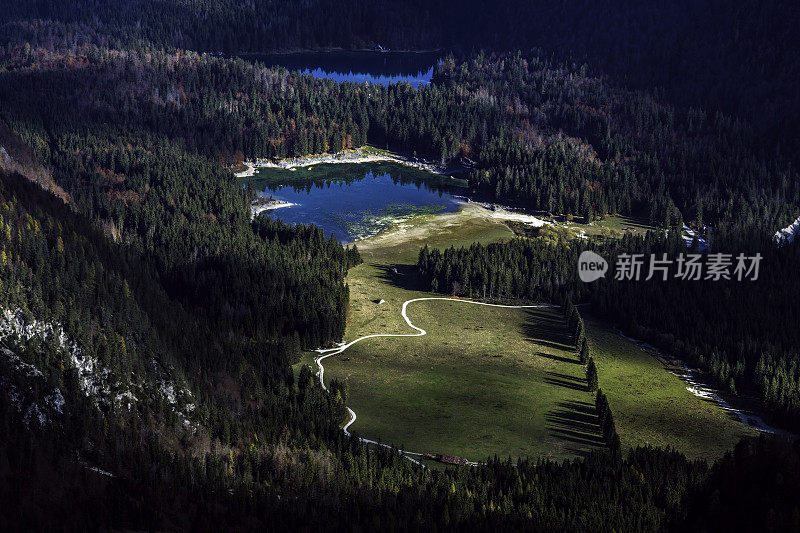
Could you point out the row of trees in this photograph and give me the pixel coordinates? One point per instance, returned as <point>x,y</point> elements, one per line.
<point>575,324</point>
<point>576,328</point>
<point>520,268</point>
<point>731,329</point>
<point>607,426</point>
<point>606,421</point>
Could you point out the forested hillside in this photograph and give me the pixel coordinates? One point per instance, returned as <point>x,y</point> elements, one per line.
<point>739,58</point>
<point>542,134</point>
<point>148,325</point>
<point>109,419</point>
<point>735,330</point>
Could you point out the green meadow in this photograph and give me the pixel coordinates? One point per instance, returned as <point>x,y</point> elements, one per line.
<point>487,381</point>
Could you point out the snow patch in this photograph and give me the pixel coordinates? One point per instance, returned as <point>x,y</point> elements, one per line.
<point>530,220</point>
<point>257,209</point>
<point>100,471</point>
<point>15,327</point>
<point>53,404</point>
<point>248,172</point>
<point>359,155</point>
<point>787,234</point>
<point>126,398</point>
<point>21,366</point>
<point>499,212</point>
<point>34,413</point>
<point>688,237</point>
<point>94,381</point>
<point>171,393</point>
<point>56,402</point>
<point>704,391</point>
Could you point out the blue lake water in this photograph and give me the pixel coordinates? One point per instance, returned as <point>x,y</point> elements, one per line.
<point>354,201</point>
<point>382,68</point>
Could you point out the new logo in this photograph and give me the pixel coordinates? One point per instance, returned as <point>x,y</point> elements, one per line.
<point>591,266</point>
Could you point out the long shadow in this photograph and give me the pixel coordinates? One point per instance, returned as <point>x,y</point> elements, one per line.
<point>558,375</point>
<point>400,275</point>
<point>567,381</point>
<point>577,437</point>
<point>565,418</point>
<point>576,422</point>
<point>580,452</point>
<point>585,408</point>
<point>549,344</point>
<point>558,358</point>
<point>544,329</point>
<point>566,384</point>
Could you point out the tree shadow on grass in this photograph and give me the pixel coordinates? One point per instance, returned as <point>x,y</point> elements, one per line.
<point>576,422</point>
<point>558,358</point>
<point>578,379</point>
<point>567,381</point>
<point>542,328</point>
<point>400,275</point>
<point>565,384</point>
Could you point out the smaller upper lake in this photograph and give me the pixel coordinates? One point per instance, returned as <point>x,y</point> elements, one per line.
<point>354,201</point>
<point>381,68</point>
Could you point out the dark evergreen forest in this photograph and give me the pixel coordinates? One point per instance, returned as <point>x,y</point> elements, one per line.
<point>540,134</point>
<point>149,325</point>
<point>734,330</point>
<point>739,58</point>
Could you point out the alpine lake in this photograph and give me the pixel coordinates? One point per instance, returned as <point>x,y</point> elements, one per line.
<point>355,200</point>
<point>352,201</point>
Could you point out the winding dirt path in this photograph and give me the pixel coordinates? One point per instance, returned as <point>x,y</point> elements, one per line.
<point>328,352</point>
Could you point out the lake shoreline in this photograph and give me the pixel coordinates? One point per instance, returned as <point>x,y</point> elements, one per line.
<point>364,154</point>
<point>256,207</point>
<point>363,200</point>
<point>423,227</point>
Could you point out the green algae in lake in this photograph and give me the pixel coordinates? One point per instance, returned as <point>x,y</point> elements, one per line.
<point>410,209</point>
<point>354,201</point>
<point>363,224</point>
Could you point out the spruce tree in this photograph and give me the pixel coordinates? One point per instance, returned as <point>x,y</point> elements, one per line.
<point>591,375</point>
<point>584,351</point>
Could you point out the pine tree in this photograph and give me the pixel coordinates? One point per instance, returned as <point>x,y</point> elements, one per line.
<point>584,351</point>
<point>591,375</point>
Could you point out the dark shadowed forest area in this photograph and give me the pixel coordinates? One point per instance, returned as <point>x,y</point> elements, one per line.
<point>149,324</point>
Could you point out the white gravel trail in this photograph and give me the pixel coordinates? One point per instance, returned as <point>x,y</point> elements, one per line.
<point>328,352</point>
